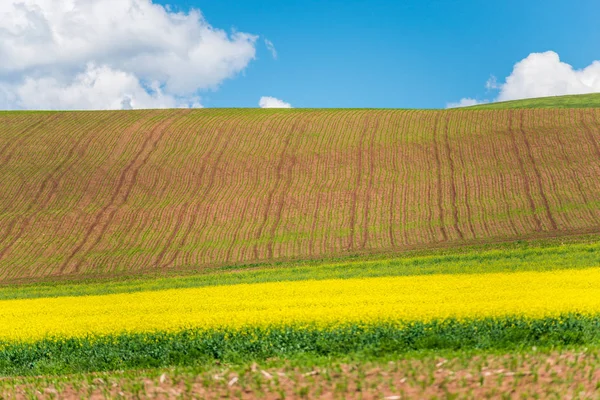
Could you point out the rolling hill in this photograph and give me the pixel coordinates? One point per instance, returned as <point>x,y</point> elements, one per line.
<point>591,100</point>
<point>221,252</point>
<point>100,194</point>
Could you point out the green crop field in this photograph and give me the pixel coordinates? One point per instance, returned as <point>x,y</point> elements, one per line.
<point>591,100</point>
<point>301,253</point>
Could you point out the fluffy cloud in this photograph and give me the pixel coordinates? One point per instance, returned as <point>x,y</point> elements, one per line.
<point>106,54</point>
<point>465,102</point>
<point>96,88</point>
<point>272,102</point>
<point>542,75</point>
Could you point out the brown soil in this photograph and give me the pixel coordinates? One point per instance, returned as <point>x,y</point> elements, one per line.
<point>113,193</point>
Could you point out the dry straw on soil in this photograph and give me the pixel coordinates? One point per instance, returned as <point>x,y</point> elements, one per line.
<point>563,374</point>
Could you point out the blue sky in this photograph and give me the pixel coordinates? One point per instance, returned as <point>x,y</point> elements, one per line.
<point>112,54</point>
<point>415,53</point>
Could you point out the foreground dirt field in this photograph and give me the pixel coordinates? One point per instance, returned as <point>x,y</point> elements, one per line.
<point>515,376</point>
<point>109,193</point>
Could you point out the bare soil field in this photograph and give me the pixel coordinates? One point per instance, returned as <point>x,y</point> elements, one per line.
<point>96,194</point>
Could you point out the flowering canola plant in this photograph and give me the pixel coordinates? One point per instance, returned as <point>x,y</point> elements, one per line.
<point>320,302</point>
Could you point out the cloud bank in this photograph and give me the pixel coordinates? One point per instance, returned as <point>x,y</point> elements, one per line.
<point>542,75</point>
<point>272,102</point>
<point>112,54</point>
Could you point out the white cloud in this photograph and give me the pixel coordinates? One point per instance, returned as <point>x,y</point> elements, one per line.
<point>91,54</point>
<point>465,102</point>
<point>271,48</point>
<point>272,102</point>
<point>96,88</point>
<point>542,75</point>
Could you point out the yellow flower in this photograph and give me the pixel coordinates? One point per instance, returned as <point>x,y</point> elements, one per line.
<point>325,302</point>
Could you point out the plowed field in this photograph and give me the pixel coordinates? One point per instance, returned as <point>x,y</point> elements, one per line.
<point>108,193</point>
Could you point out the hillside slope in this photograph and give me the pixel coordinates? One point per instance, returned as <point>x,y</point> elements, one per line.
<point>573,101</point>
<point>103,193</point>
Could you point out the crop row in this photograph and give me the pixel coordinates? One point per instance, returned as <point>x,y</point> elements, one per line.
<point>209,346</point>
<point>112,193</point>
<point>321,302</point>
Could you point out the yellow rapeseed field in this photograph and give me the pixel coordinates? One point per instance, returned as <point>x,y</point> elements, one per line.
<point>532,294</point>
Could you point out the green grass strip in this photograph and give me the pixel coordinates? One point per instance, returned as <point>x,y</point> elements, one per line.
<point>196,347</point>
<point>509,257</point>
<point>571,101</point>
